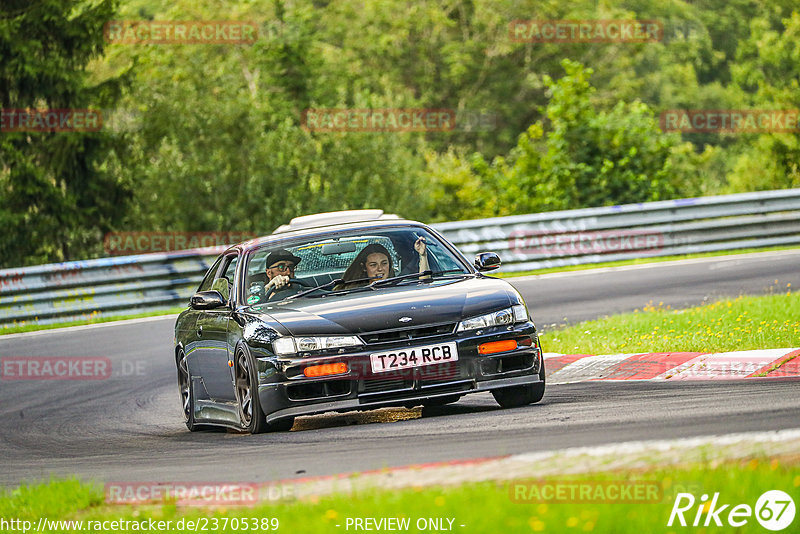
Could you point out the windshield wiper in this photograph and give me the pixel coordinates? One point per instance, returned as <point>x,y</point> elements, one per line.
<point>323,286</point>
<point>437,273</point>
<point>428,273</point>
<point>376,283</point>
<point>400,278</point>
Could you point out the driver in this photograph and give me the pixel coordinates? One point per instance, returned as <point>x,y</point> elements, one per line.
<point>280,268</point>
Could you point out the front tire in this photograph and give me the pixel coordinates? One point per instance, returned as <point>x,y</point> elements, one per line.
<point>251,414</point>
<point>516,396</point>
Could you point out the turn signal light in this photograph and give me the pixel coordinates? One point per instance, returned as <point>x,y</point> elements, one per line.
<point>497,346</point>
<point>325,369</point>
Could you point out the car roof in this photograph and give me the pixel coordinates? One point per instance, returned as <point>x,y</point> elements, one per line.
<point>310,225</point>
<point>333,218</point>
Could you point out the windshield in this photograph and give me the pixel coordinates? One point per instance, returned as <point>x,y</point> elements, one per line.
<point>349,261</point>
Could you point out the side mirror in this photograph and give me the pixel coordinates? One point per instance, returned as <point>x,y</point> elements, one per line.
<point>487,261</point>
<point>206,300</point>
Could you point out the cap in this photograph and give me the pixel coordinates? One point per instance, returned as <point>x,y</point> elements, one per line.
<point>281,254</point>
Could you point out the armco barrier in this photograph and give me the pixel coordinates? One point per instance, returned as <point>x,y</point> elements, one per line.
<point>593,235</point>
<point>151,282</point>
<point>124,285</point>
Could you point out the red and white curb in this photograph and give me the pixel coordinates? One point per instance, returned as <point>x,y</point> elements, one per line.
<point>569,368</point>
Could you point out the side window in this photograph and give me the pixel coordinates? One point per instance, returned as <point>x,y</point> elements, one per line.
<point>205,285</point>
<point>224,282</point>
<point>230,270</point>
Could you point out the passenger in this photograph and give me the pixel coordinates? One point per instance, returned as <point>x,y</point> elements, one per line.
<point>374,263</point>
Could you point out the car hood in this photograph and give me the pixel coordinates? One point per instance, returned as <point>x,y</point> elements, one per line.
<point>382,309</point>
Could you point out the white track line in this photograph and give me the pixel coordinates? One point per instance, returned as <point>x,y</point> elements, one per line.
<point>81,328</point>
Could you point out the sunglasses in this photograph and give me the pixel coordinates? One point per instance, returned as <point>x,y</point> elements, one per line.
<point>283,267</point>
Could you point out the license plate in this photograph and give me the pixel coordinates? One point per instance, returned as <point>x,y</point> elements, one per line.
<point>413,357</point>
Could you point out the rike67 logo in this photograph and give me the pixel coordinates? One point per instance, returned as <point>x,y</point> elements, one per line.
<point>774,510</point>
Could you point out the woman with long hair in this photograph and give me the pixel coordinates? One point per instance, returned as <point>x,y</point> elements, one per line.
<point>374,262</point>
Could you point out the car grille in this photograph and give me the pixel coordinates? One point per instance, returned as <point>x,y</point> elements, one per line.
<point>389,384</point>
<point>439,373</point>
<point>407,334</point>
<point>394,393</point>
<point>404,382</point>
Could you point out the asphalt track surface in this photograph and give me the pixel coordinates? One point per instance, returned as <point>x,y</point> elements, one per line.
<point>129,427</point>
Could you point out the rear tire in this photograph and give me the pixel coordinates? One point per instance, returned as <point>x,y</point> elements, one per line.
<point>516,396</point>
<point>185,384</point>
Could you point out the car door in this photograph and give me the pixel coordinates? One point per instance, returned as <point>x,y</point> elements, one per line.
<point>212,332</point>
<point>186,328</point>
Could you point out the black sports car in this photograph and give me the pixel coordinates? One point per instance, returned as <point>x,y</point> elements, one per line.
<point>350,311</point>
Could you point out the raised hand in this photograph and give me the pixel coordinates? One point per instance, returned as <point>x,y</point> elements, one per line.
<point>420,246</point>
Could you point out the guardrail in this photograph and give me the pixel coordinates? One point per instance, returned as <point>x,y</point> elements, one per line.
<point>78,290</point>
<point>664,228</point>
<point>151,282</point>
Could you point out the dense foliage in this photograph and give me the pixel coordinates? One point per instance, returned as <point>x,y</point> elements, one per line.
<point>210,136</point>
<point>57,196</point>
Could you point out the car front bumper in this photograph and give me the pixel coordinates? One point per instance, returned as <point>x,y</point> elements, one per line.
<point>285,393</point>
<point>359,404</point>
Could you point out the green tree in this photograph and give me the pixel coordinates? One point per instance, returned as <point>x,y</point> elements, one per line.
<point>213,136</point>
<point>56,198</point>
<point>581,156</point>
<point>218,140</point>
<point>767,76</point>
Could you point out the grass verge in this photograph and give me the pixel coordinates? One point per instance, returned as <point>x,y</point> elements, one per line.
<point>509,506</point>
<point>742,323</point>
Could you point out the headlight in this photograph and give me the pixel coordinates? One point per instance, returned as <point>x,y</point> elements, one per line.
<point>292,345</point>
<point>515,314</point>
